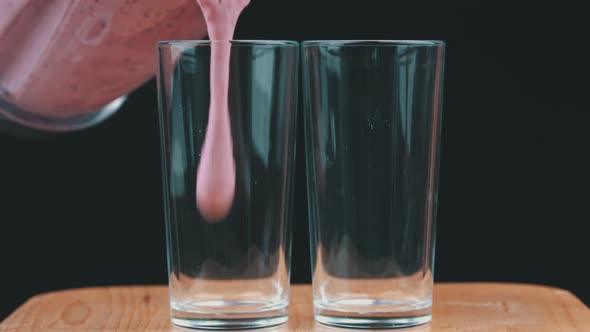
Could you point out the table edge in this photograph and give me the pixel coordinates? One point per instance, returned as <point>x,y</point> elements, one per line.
<point>302,285</point>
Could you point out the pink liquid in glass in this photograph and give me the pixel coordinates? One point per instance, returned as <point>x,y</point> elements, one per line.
<point>216,174</point>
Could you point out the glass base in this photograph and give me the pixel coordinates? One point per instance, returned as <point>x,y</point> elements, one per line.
<point>19,121</point>
<point>229,315</point>
<point>229,324</point>
<point>373,322</point>
<point>373,313</point>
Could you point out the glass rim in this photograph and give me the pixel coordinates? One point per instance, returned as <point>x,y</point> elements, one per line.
<point>374,42</point>
<point>233,42</point>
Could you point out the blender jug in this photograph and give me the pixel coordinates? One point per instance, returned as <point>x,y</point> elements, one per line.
<point>68,64</point>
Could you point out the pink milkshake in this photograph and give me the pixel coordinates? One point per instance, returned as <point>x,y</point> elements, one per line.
<point>61,58</point>
<point>216,174</point>
<point>64,58</point>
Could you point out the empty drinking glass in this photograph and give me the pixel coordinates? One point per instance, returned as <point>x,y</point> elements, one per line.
<point>372,128</point>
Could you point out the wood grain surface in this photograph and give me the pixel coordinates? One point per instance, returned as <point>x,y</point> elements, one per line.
<point>458,307</point>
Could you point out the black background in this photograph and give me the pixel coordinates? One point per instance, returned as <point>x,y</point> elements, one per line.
<point>85,208</point>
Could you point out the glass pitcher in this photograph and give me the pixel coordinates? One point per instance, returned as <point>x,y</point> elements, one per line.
<point>68,64</point>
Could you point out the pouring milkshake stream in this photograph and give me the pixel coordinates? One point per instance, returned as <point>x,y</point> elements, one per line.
<point>216,174</point>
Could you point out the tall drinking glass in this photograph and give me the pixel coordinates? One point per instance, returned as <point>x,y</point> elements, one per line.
<point>231,272</point>
<point>372,128</point>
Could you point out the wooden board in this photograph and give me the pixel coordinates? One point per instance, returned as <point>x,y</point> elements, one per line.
<point>459,307</point>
